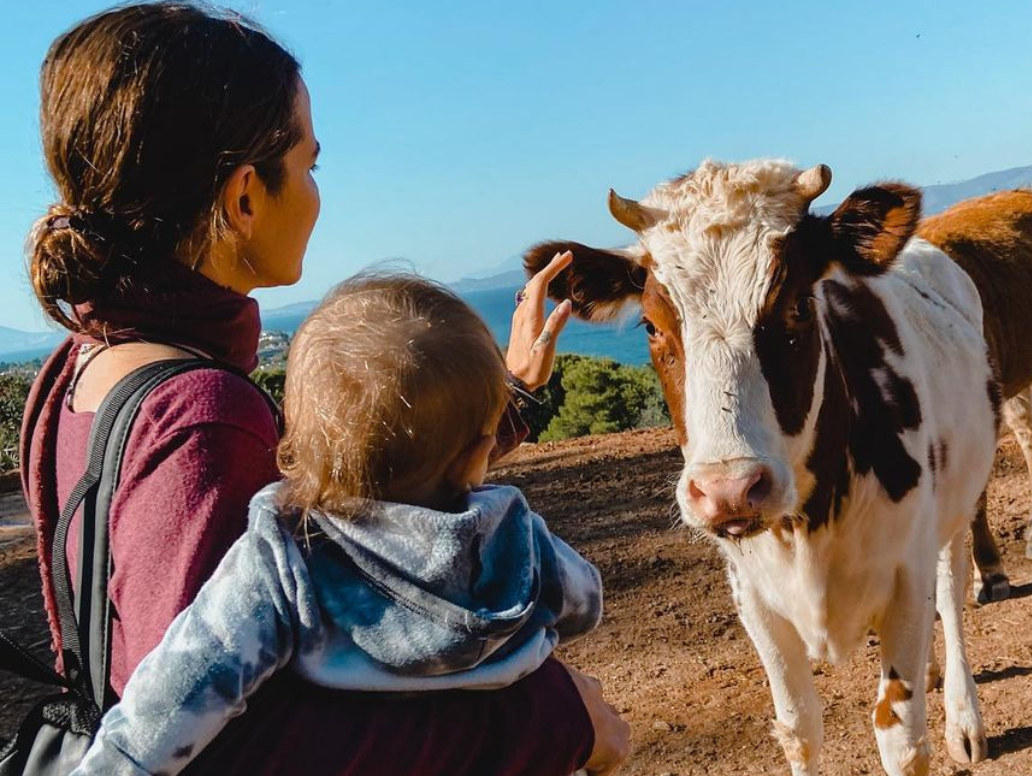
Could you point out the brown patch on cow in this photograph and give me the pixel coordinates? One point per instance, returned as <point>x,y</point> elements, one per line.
<point>597,282</point>
<point>991,239</point>
<point>895,691</point>
<point>796,749</point>
<point>786,336</point>
<point>828,460</point>
<point>666,349</point>
<point>882,404</point>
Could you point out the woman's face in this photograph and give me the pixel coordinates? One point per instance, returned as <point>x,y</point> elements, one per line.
<point>273,253</point>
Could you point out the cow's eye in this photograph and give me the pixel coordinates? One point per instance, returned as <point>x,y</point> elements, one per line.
<point>803,311</point>
<point>650,327</point>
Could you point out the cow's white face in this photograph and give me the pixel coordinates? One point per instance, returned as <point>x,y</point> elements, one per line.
<point>714,248</point>
<point>730,272</point>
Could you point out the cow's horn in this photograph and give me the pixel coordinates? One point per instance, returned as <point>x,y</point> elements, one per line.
<point>813,182</point>
<point>631,214</point>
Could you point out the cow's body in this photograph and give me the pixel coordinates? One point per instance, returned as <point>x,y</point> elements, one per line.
<point>991,238</point>
<point>837,412</point>
<point>837,582</point>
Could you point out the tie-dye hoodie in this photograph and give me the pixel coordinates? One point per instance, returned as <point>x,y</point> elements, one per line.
<point>402,599</point>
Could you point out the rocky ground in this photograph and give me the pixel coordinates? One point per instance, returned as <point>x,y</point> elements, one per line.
<point>671,651</point>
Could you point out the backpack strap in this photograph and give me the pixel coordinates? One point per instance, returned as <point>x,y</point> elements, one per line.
<point>85,619</point>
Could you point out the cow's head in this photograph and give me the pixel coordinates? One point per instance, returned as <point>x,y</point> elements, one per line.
<point>744,297</point>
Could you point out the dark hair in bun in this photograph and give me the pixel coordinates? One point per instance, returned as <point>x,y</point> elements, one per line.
<point>145,112</point>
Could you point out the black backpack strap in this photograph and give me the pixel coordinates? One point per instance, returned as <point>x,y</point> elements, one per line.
<point>18,660</point>
<point>86,622</point>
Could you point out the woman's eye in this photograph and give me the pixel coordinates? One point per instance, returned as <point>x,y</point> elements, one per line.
<point>314,168</point>
<point>650,327</point>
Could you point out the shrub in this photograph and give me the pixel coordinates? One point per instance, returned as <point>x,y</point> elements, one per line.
<point>601,396</point>
<point>14,391</point>
<point>272,379</point>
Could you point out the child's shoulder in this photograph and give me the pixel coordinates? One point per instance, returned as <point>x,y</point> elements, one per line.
<point>496,493</point>
<point>268,520</point>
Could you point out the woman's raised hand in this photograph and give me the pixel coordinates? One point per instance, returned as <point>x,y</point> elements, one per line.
<point>532,339</point>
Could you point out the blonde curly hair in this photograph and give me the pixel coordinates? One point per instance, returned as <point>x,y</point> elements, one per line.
<point>388,378</point>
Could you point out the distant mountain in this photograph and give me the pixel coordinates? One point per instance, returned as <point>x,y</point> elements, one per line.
<point>288,317</point>
<point>938,197</point>
<point>505,274</point>
<point>507,279</point>
<point>18,345</point>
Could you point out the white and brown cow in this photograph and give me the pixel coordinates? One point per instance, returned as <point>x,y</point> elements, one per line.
<point>837,413</point>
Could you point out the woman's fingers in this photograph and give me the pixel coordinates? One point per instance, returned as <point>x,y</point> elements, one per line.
<point>549,335</point>
<point>537,286</point>
<point>532,340</point>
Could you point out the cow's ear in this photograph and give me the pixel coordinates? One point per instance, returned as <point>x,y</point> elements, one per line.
<point>598,283</point>
<point>874,224</point>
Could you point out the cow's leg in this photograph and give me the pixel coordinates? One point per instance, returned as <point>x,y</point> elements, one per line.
<point>991,582</point>
<point>798,726</point>
<point>1018,414</point>
<point>900,724</point>
<point>965,733</point>
<point>933,673</point>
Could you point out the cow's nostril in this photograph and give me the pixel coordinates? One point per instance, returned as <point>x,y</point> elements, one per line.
<point>694,491</point>
<point>760,490</point>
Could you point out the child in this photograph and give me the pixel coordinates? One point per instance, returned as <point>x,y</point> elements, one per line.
<point>380,562</point>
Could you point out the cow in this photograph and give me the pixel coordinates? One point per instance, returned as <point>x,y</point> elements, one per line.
<point>837,411</point>
<point>991,238</point>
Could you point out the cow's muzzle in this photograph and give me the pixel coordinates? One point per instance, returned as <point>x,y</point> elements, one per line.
<point>729,498</point>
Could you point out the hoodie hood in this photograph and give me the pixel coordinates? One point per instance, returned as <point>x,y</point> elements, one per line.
<point>422,592</point>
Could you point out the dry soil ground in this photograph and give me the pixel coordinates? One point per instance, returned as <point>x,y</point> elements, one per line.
<point>671,651</point>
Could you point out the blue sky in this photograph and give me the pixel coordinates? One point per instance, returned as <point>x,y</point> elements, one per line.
<point>455,134</point>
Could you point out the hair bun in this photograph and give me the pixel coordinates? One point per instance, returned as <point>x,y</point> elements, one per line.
<point>69,253</point>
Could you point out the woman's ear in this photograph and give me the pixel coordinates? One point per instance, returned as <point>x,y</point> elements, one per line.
<point>469,467</point>
<point>243,196</point>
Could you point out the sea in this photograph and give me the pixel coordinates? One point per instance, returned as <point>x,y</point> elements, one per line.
<point>622,341</point>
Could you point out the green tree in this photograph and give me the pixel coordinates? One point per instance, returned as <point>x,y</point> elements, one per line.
<point>601,396</point>
<point>14,391</point>
<point>644,396</point>
<point>273,380</point>
<point>550,398</point>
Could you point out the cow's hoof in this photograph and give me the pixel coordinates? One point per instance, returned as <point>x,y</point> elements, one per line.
<point>995,587</point>
<point>967,745</point>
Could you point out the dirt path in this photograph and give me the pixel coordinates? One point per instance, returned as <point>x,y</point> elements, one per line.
<point>673,656</point>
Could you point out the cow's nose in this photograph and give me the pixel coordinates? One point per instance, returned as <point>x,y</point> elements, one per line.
<point>718,497</point>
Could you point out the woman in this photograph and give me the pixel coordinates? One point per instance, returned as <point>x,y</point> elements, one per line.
<point>182,149</point>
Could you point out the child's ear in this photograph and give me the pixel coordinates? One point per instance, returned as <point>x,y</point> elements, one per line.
<point>467,469</point>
